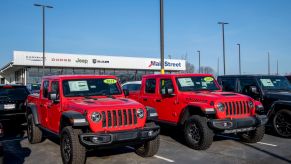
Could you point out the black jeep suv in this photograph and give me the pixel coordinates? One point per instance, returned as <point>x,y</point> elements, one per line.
<point>273,91</point>
<point>12,99</point>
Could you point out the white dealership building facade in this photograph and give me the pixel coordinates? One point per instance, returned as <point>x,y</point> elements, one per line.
<point>26,66</point>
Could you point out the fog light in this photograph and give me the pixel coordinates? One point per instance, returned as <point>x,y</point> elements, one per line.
<point>95,139</point>
<point>150,133</point>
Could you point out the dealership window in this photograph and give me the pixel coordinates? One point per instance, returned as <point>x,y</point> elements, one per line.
<point>68,71</point>
<point>56,71</point>
<point>89,71</point>
<point>78,71</point>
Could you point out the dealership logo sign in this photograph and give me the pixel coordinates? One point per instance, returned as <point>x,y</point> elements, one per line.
<point>60,60</point>
<point>167,64</point>
<point>85,61</point>
<point>99,61</point>
<point>34,58</point>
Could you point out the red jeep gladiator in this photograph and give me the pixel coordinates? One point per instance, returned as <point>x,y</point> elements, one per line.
<point>197,103</point>
<point>87,112</point>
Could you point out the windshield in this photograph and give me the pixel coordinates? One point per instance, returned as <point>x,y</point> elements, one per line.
<point>13,93</point>
<point>196,83</point>
<point>274,83</point>
<point>90,87</point>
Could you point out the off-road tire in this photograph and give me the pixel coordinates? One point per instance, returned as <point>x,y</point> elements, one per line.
<point>71,149</point>
<point>34,134</point>
<point>253,136</point>
<point>149,148</point>
<point>198,125</point>
<point>282,117</point>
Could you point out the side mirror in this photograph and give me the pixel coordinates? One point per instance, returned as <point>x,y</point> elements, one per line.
<point>126,92</point>
<point>253,89</point>
<point>54,97</point>
<point>168,91</point>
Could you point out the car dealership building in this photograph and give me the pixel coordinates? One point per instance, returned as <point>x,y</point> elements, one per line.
<point>26,67</point>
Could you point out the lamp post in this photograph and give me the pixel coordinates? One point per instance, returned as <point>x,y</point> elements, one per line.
<point>269,69</point>
<point>239,60</point>
<point>162,35</point>
<point>199,61</point>
<point>277,67</point>
<point>223,44</point>
<point>43,33</point>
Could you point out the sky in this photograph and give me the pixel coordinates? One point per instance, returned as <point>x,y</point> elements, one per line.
<point>131,28</point>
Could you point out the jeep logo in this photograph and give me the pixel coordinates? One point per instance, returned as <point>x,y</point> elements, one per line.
<point>82,61</point>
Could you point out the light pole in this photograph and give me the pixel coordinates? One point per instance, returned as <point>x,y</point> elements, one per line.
<point>269,69</point>
<point>43,33</point>
<point>199,61</point>
<point>162,35</point>
<point>239,60</point>
<point>223,44</point>
<point>217,66</point>
<point>277,67</point>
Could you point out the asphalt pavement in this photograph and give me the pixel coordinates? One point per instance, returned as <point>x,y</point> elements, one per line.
<point>225,149</point>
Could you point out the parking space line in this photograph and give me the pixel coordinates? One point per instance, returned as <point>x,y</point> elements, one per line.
<point>263,143</point>
<point>163,158</point>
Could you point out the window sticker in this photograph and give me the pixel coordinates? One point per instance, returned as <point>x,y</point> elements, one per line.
<point>77,86</point>
<point>110,81</point>
<point>186,82</point>
<point>208,79</point>
<point>267,82</point>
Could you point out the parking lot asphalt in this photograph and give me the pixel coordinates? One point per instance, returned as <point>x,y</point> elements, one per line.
<point>225,149</point>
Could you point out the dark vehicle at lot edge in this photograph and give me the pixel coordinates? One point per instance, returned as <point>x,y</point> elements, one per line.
<point>196,104</point>
<point>90,112</point>
<point>289,78</point>
<point>273,91</point>
<point>12,102</point>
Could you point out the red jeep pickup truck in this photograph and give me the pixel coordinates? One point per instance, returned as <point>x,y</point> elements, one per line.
<point>90,111</point>
<point>196,103</point>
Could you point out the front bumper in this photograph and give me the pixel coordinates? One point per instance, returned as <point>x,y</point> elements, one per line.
<point>120,138</point>
<point>238,125</point>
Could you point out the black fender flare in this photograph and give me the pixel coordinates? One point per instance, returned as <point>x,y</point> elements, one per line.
<point>187,112</point>
<point>278,104</point>
<point>73,118</point>
<point>31,108</point>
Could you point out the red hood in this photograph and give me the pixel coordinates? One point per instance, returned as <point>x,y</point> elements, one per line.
<point>103,103</point>
<point>206,96</point>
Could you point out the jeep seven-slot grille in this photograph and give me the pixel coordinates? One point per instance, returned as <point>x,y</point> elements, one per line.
<point>121,117</point>
<point>237,108</point>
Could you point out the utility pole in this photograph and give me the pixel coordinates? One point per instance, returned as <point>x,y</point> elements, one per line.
<point>269,69</point>
<point>43,33</point>
<point>199,61</point>
<point>162,35</point>
<point>239,60</point>
<point>223,44</point>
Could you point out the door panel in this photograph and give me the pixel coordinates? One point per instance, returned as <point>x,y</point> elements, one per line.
<point>54,109</point>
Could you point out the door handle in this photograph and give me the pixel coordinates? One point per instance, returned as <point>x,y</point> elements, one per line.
<point>41,105</point>
<point>145,99</point>
<point>158,100</point>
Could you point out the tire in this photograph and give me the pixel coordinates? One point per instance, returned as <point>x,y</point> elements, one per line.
<point>253,136</point>
<point>71,149</point>
<point>197,134</point>
<point>282,123</point>
<point>34,134</point>
<point>149,148</point>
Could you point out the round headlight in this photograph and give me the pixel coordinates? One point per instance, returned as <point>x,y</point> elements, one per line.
<point>251,104</point>
<point>140,113</point>
<point>96,116</point>
<point>220,107</point>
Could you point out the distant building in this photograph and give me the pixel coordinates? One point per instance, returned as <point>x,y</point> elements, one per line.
<point>26,66</point>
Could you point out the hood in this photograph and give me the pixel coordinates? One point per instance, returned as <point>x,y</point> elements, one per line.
<point>103,103</point>
<point>207,96</point>
<point>282,95</point>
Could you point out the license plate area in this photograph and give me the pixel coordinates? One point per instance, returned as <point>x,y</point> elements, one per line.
<point>9,106</point>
